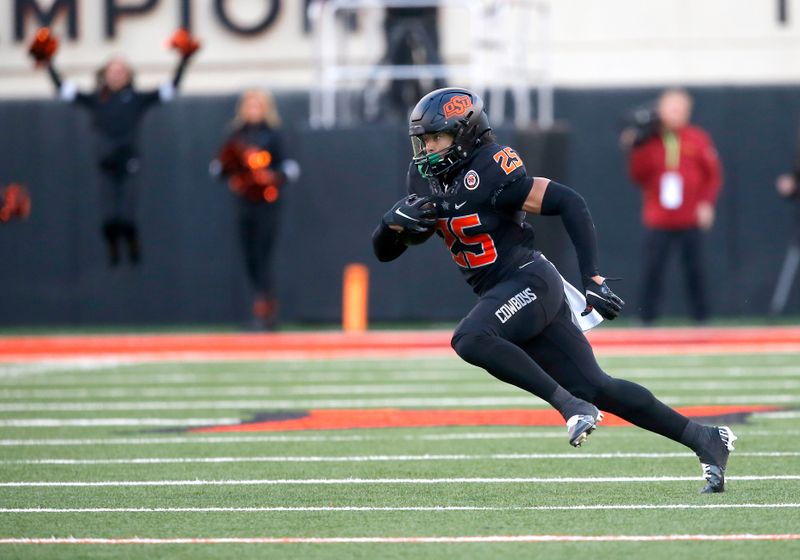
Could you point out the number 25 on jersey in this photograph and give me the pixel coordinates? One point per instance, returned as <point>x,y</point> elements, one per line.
<point>508,159</point>
<point>453,230</point>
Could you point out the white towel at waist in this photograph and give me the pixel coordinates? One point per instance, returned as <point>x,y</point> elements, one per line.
<point>577,303</point>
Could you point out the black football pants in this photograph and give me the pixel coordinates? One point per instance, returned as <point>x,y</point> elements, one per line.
<point>521,331</point>
<point>658,245</point>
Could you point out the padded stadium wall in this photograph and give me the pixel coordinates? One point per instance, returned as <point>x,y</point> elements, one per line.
<point>53,270</point>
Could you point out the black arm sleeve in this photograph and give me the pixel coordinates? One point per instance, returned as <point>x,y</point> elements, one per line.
<point>54,75</point>
<point>176,79</point>
<point>512,196</point>
<point>386,243</point>
<point>560,200</point>
<point>73,96</point>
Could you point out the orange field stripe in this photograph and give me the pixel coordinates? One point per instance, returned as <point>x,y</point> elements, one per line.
<point>378,344</point>
<point>351,419</point>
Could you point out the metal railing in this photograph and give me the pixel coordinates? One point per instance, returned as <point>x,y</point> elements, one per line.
<point>501,37</point>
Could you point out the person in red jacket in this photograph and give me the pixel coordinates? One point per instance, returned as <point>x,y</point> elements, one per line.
<point>678,171</point>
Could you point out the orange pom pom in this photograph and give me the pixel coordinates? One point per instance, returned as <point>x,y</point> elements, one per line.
<point>15,203</point>
<point>43,46</point>
<point>184,43</point>
<point>258,159</point>
<point>271,194</point>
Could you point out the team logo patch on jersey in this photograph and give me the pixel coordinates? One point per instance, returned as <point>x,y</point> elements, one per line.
<point>457,105</point>
<point>472,180</point>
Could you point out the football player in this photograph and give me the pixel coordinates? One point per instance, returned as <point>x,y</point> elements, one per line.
<point>527,326</point>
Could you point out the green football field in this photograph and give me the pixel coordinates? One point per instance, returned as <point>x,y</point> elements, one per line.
<point>98,449</point>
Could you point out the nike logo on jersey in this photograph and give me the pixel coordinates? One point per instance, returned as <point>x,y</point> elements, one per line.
<point>526,264</point>
<point>406,217</point>
<point>458,206</point>
<point>514,304</point>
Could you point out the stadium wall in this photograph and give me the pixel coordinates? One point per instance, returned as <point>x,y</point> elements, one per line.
<point>614,43</point>
<point>53,270</point>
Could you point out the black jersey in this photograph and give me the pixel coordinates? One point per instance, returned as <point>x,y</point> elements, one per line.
<point>262,136</point>
<point>479,215</point>
<point>116,115</point>
<point>266,138</point>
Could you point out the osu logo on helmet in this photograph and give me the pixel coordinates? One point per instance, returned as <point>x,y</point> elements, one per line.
<point>457,105</point>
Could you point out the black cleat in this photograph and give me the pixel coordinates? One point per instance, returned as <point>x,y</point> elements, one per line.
<point>715,479</point>
<point>579,426</point>
<point>714,458</point>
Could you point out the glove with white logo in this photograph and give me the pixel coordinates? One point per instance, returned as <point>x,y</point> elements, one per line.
<point>413,213</point>
<point>600,297</point>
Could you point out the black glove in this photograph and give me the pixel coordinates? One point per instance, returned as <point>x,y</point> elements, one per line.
<point>413,213</point>
<point>601,298</point>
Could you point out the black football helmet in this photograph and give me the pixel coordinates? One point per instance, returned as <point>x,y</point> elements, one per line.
<point>455,111</point>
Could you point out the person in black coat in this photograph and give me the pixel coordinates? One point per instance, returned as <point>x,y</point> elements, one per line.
<point>788,186</point>
<point>116,107</point>
<point>253,162</point>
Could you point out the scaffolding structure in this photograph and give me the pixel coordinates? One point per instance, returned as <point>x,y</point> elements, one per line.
<point>501,37</point>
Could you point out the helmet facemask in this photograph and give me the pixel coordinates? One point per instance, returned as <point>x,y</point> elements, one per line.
<point>434,164</point>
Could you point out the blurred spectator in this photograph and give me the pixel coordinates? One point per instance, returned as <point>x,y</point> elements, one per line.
<point>412,38</point>
<point>117,108</point>
<point>787,187</point>
<point>787,184</point>
<point>252,160</point>
<point>15,203</point>
<point>348,17</point>
<point>677,168</point>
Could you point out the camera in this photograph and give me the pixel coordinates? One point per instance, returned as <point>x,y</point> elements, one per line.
<point>644,120</point>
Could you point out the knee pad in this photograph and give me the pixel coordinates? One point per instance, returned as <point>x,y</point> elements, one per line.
<point>462,343</point>
<point>467,341</point>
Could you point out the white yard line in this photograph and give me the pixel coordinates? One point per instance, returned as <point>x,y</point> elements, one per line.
<point>199,440</point>
<point>421,402</point>
<point>379,458</point>
<point>403,540</point>
<point>99,422</point>
<point>726,385</point>
<point>266,354</point>
<point>706,371</point>
<point>271,404</point>
<point>379,481</point>
<point>104,362</point>
<point>455,371</point>
<point>222,377</point>
<point>778,415</point>
<point>59,366</point>
<point>387,435</point>
<point>490,386</point>
<point>300,509</point>
<point>260,390</point>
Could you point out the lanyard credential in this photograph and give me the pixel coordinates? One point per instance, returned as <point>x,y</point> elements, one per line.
<point>672,150</point>
<point>670,193</point>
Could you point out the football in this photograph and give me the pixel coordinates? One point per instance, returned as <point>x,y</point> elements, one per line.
<point>413,238</point>
<point>417,238</point>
